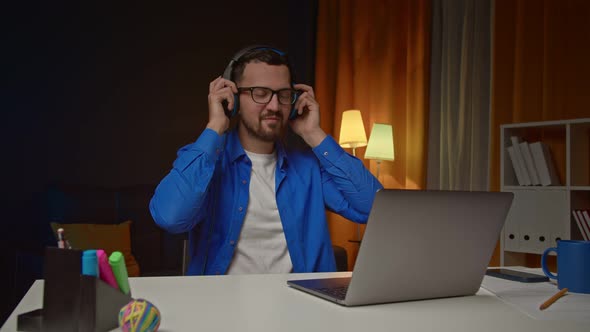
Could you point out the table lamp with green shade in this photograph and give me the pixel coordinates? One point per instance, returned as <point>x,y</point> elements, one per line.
<point>380,145</point>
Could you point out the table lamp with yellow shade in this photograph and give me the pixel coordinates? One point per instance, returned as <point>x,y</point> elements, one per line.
<point>352,135</point>
<point>352,131</point>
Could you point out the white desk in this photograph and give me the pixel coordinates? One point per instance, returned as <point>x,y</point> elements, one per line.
<point>265,303</point>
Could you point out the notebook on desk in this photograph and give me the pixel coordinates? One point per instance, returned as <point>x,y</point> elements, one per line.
<point>420,245</point>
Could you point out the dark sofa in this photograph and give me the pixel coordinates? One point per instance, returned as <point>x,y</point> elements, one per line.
<point>158,253</point>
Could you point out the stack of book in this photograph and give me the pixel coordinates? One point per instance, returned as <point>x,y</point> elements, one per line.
<point>532,163</point>
<point>582,218</point>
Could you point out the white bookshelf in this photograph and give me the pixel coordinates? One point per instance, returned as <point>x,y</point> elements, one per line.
<point>541,215</point>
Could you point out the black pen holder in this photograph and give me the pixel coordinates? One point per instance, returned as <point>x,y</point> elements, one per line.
<point>73,302</point>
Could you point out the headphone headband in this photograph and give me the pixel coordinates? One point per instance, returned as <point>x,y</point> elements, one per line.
<point>240,54</point>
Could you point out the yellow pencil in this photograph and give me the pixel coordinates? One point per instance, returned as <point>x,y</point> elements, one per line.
<point>552,299</point>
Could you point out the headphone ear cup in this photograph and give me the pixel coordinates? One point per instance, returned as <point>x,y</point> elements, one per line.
<point>236,105</point>
<point>231,113</point>
<point>293,113</point>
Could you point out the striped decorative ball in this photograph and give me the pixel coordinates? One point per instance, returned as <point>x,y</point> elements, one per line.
<point>139,316</point>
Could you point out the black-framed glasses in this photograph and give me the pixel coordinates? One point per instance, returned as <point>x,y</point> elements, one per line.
<point>262,95</point>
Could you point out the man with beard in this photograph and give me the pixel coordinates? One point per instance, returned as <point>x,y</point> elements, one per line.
<point>249,202</point>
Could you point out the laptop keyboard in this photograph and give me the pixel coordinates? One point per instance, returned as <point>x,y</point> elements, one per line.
<point>337,292</point>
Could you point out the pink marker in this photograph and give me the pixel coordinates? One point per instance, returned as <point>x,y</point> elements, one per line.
<point>105,270</point>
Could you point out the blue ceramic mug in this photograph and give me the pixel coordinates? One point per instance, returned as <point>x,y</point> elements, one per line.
<point>573,265</point>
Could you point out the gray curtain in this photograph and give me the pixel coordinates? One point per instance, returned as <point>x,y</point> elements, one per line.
<point>458,146</point>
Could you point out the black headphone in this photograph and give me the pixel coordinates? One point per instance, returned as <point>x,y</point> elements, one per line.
<point>229,68</point>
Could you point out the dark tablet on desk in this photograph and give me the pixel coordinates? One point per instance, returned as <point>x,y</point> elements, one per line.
<point>516,275</point>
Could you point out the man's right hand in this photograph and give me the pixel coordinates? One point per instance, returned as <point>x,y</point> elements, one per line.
<point>220,89</point>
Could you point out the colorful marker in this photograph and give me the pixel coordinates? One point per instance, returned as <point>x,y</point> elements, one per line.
<point>105,270</point>
<point>117,262</point>
<point>90,263</point>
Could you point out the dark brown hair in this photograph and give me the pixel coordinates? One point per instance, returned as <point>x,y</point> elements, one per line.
<point>266,55</point>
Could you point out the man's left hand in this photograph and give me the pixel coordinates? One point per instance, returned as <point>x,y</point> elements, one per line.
<point>307,123</point>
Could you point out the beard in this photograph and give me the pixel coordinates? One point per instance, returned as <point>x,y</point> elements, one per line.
<point>265,131</point>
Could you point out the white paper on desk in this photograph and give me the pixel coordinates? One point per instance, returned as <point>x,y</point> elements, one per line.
<point>527,297</point>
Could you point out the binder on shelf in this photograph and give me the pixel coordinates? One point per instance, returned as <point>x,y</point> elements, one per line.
<point>520,160</point>
<point>585,220</point>
<point>529,163</point>
<point>516,166</point>
<point>542,216</point>
<point>544,163</point>
<point>580,226</point>
<point>73,302</point>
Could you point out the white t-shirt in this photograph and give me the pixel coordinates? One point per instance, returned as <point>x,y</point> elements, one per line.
<point>262,247</point>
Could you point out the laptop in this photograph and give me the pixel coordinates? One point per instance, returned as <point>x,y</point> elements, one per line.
<point>418,245</point>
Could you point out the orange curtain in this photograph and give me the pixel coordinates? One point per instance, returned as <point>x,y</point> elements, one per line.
<point>375,56</point>
<point>541,67</point>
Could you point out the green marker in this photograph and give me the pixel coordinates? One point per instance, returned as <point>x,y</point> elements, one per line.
<point>117,262</point>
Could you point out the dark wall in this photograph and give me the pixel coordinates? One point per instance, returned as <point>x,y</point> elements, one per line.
<point>104,94</point>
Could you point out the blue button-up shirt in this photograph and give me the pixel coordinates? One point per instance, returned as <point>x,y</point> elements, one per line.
<point>207,191</point>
